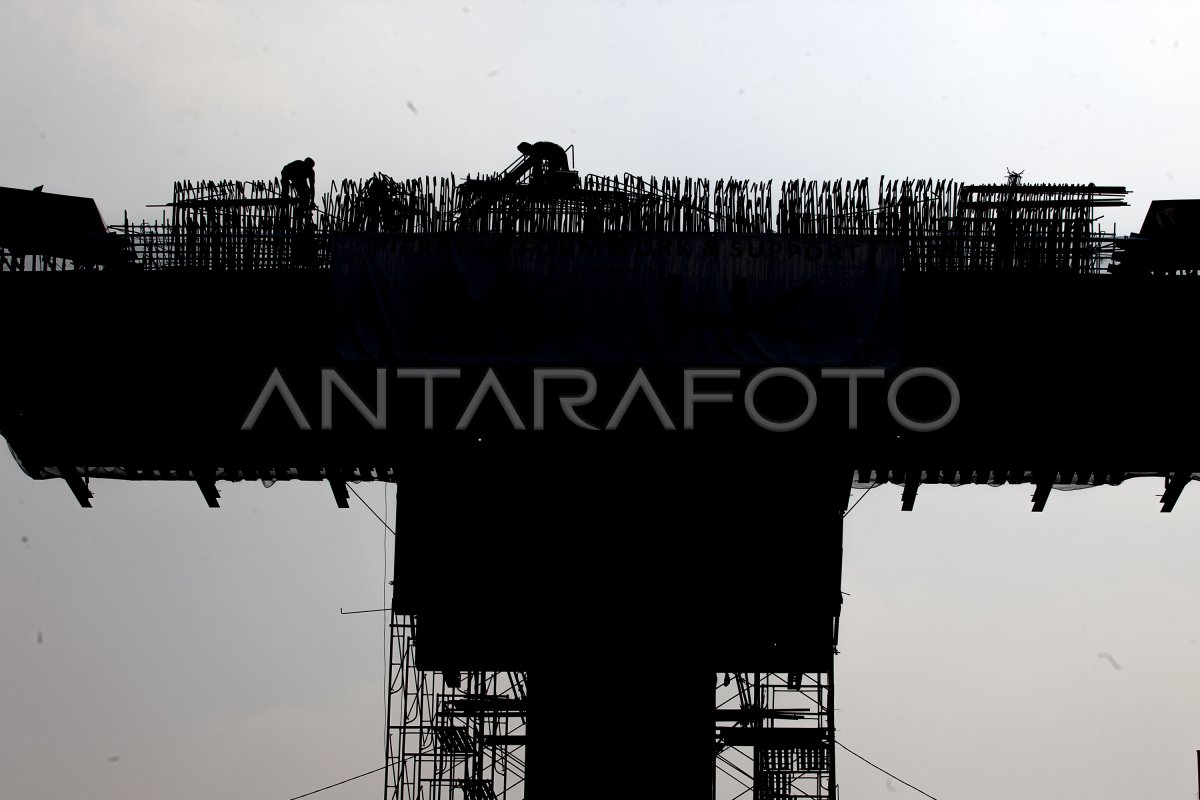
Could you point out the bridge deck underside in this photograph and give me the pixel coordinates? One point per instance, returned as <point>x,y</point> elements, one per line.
<point>1067,379</point>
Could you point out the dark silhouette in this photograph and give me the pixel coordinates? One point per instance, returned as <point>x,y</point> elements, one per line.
<point>544,168</point>
<point>299,179</point>
<point>493,610</point>
<point>1165,245</point>
<point>545,158</point>
<point>383,204</point>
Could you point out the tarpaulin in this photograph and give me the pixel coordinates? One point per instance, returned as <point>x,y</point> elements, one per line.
<point>643,298</point>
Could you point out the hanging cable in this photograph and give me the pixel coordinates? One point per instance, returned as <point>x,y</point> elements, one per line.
<point>884,771</point>
<point>387,637</point>
<point>368,505</point>
<point>339,783</point>
<point>859,500</point>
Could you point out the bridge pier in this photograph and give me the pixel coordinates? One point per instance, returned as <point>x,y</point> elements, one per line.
<point>620,583</point>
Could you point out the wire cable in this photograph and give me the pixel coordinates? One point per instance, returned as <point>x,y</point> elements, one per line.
<point>387,641</point>
<point>881,769</point>
<point>859,500</point>
<point>368,505</point>
<point>339,783</point>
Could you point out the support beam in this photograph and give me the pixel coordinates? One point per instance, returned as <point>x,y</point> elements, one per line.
<point>341,495</point>
<point>909,498</point>
<point>1042,493</point>
<point>1176,481</point>
<point>78,488</point>
<point>208,488</point>
<point>811,737</point>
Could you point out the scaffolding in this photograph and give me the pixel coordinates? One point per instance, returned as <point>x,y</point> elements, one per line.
<point>940,225</point>
<point>774,736</point>
<point>461,736</point>
<point>451,736</point>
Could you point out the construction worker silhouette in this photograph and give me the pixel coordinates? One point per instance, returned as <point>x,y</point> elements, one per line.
<point>299,179</point>
<point>546,157</point>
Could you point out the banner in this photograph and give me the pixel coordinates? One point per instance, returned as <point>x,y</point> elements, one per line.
<point>652,299</point>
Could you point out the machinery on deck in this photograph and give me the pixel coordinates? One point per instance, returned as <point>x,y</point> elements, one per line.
<point>1166,243</point>
<point>42,231</point>
<point>542,180</point>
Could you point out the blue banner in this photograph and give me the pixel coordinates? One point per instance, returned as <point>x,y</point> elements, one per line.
<point>649,299</point>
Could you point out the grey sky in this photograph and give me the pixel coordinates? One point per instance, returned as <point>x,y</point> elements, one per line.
<point>204,648</point>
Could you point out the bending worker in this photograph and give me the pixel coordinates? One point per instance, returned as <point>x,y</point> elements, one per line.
<point>546,157</point>
<point>299,178</point>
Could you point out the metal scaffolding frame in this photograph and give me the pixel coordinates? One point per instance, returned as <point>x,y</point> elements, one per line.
<point>940,225</point>
<point>775,736</point>
<point>451,736</point>
<point>461,736</point>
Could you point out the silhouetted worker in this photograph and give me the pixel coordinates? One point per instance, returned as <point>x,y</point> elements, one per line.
<point>299,178</point>
<point>547,157</point>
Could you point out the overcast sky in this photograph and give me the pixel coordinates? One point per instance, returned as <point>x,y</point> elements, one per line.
<point>152,647</point>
